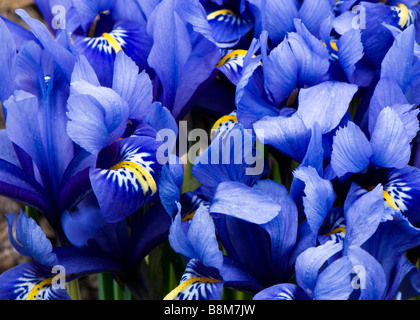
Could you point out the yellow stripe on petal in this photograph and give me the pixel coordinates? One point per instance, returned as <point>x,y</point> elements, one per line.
<point>404,15</point>
<point>112,42</point>
<point>389,200</point>
<point>143,176</point>
<point>337,230</point>
<point>220,12</point>
<point>224,119</point>
<point>188,216</point>
<point>175,292</point>
<point>33,294</point>
<point>231,55</point>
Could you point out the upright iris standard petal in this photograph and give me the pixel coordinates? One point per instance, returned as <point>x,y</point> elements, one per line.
<point>309,264</point>
<point>398,61</point>
<point>387,93</point>
<point>334,283</point>
<point>351,150</point>
<point>7,60</point>
<point>313,12</point>
<point>64,58</point>
<point>325,103</point>
<point>22,110</point>
<point>97,116</point>
<point>371,280</point>
<point>319,196</point>
<point>278,18</point>
<point>191,244</point>
<point>311,56</point>
<point>134,88</point>
<point>283,228</point>
<point>350,51</point>
<point>280,71</point>
<point>363,214</point>
<point>126,176</point>
<point>182,58</point>
<point>389,141</point>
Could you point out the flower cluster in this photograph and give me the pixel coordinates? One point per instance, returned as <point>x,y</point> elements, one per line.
<point>307,187</point>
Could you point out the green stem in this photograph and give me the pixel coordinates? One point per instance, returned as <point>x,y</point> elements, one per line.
<point>73,289</point>
<point>105,287</point>
<point>32,213</point>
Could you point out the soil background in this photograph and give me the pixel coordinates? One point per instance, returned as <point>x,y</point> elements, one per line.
<point>9,257</point>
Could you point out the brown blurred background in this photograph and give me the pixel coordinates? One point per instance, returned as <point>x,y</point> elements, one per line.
<point>9,257</point>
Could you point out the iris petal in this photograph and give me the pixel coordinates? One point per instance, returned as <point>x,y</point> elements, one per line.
<point>228,28</point>
<point>325,103</point>
<point>389,141</point>
<point>127,176</point>
<point>351,150</point>
<point>30,281</point>
<point>197,283</point>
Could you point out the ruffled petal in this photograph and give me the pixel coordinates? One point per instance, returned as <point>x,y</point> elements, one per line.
<point>134,88</point>
<point>29,239</point>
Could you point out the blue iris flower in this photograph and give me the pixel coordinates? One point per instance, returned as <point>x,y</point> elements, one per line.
<point>44,277</point>
<point>352,260</point>
<point>99,29</point>
<point>119,127</point>
<point>259,250</point>
<point>38,157</point>
<point>184,53</point>
<point>272,79</point>
<point>371,19</point>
